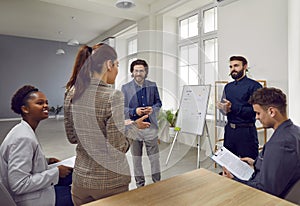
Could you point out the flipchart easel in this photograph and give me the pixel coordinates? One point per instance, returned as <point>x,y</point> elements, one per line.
<point>192,115</point>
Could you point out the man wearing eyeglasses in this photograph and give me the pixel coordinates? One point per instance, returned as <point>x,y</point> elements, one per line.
<point>240,135</point>
<point>142,98</point>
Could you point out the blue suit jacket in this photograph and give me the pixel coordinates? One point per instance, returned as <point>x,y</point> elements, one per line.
<point>131,100</point>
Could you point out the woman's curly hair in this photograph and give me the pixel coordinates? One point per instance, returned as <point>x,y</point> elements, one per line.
<point>21,96</point>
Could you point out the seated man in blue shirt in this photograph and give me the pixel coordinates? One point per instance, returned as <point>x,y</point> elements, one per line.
<point>277,168</point>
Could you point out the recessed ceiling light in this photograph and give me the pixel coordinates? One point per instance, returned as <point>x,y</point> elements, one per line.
<point>60,52</point>
<point>125,4</point>
<point>73,42</point>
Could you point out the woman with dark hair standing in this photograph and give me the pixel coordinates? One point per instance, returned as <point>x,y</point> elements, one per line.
<point>83,54</point>
<point>24,168</point>
<point>101,168</point>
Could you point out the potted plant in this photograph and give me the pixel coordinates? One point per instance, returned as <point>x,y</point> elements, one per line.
<point>55,110</point>
<point>171,117</point>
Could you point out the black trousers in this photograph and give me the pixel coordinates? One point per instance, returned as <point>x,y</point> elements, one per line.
<point>242,141</point>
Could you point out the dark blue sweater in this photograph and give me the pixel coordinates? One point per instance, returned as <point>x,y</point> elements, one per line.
<point>238,93</point>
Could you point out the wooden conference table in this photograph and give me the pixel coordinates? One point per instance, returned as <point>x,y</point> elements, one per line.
<point>198,187</point>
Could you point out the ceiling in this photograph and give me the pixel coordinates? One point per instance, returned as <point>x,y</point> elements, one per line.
<point>62,20</point>
<point>83,20</point>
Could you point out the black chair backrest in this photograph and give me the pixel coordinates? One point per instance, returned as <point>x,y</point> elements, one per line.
<point>294,193</point>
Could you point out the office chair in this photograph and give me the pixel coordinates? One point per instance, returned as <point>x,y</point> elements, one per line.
<point>5,197</point>
<point>294,193</point>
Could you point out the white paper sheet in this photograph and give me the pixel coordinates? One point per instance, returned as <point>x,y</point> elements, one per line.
<point>70,162</point>
<point>237,167</point>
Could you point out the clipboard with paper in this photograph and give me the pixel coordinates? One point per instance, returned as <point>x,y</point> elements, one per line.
<point>237,167</point>
<point>69,162</point>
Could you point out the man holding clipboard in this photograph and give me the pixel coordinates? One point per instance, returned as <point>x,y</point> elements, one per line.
<point>277,167</point>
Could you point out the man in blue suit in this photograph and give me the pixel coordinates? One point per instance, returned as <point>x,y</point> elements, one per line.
<point>142,98</point>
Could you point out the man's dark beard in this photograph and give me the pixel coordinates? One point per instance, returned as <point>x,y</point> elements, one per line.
<point>237,75</point>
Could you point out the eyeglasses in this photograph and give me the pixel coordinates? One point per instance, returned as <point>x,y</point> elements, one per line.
<point>138,71</point>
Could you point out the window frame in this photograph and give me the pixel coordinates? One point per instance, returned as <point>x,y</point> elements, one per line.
<point>200,40</point>
<point>132,55</point>
<point>187,41</point>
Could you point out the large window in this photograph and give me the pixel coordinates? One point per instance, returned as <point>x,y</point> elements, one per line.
<point>132,46</point>
<point>211,60</point>
<point>189,27</point>
<point>209,45</point>
<point>189,49</point>
<point>210,20</point>
<point>131,52</point>
<point>188,64</point>
<point>198,48</point>
<point>209,42</point>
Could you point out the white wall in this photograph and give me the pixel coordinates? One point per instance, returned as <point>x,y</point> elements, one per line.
<point>256,29</point>
<point>147,43</point>
<point>121,47</point>
<point>294,60</point>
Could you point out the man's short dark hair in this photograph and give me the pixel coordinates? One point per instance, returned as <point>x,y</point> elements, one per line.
<point>269,97</point>
<point>139,62</point>
<point>239,58</point>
